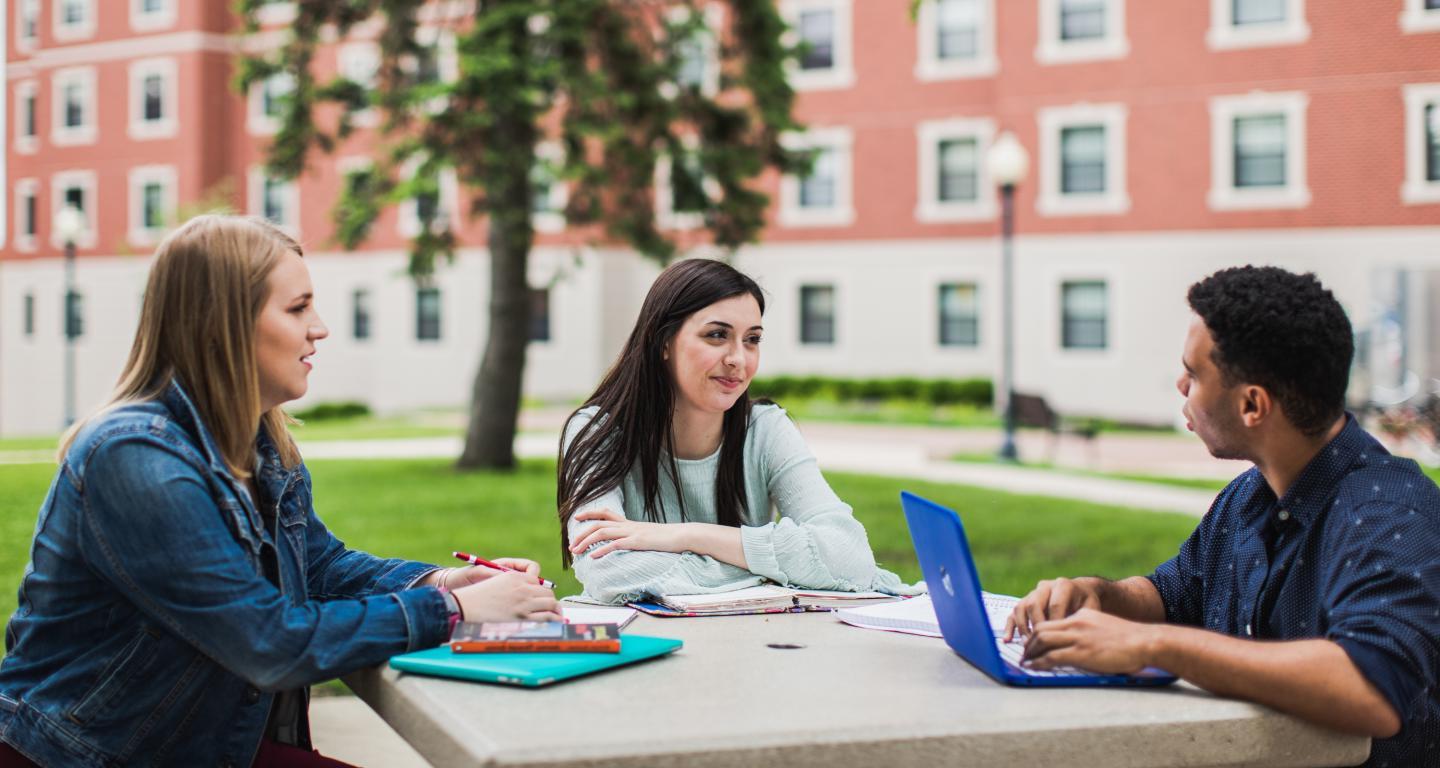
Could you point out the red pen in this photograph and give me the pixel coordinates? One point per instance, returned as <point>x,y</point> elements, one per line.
<point>473,560</point>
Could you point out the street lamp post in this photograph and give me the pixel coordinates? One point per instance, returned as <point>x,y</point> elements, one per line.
<point>69,223</point>
<point>1007,162</point>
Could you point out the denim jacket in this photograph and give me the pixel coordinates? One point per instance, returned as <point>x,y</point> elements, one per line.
<point>159,614</point>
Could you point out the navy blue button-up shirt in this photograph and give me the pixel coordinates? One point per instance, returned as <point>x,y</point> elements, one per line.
<point>1350,554</point>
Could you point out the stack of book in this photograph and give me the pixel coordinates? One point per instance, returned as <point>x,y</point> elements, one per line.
<point>534,637</point>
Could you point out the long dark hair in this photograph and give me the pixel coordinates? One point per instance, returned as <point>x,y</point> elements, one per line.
<point>636,400</point>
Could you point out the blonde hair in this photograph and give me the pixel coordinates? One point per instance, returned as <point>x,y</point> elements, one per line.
<point>197,325</point>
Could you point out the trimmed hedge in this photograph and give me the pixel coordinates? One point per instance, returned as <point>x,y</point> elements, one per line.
<point>348,409</point>
<point>978,392</point>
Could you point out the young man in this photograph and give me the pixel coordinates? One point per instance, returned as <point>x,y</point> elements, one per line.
<point>1313,584</point>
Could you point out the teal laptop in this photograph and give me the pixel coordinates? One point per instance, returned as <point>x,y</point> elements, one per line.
<point>531,670</point>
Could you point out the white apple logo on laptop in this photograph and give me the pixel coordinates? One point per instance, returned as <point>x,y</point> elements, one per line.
<point>945,582</point>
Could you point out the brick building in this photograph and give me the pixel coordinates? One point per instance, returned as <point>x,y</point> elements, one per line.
<point>1166,140</point>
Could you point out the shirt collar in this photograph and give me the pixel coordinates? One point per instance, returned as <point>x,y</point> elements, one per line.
<point>1312,489</point>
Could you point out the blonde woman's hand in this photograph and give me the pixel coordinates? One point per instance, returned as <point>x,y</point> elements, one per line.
<point>507,597</point>
<point>455,578</point>
<point>623,533</point>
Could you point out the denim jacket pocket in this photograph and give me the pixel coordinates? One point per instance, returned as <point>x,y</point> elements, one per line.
<point>134,660</point>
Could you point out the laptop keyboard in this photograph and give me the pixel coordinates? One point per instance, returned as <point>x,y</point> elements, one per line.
<point>1012,652</point>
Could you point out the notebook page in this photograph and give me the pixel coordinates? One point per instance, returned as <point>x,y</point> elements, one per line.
<point>584,614</point>
<point>917,615</point>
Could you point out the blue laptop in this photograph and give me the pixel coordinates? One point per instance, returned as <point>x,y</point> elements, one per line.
<point>945,559</point>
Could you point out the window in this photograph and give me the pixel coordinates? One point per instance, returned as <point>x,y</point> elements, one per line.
<point>27,319</point>
<point>275,199</point>
<point>956,39</point>
<point>27,24</point>
<point>432,204</point>
<point>1082,154</point>
<point>148,15</point>
<point>954,184</point>
<point>1422,144</point>
<point>427,314</point>
<point>74,320</point>
<point>74,19</point>
<point>276,12</point>
<point>73,97</point>
<point>26,121</point>
<point>1083,315</point>
<point>267,102</point>
<point>697,62</point>
<point>817,314</point>
<point>821,197</point>
<point>549,194</point>
<point>360,314</point>
<point>539,314</point>
<point>1081,30</point>
<point>1258,151</point>
<point>360,64</point>
<point>75,188</point>
<point>682,192</point>
<point>27,213</point>
<point>152,99</point>
<point>1420,16</point>
<point>959,315</point>
<point>152,203</point>
<point>437,62</point>
<point>823,29</point>
<point>1251,23</point>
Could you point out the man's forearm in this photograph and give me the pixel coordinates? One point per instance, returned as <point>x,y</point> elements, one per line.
<point>1311,679</point>
<point>1134,598</point>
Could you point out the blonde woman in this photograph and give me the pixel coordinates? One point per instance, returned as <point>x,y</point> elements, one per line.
<point>181,593</point>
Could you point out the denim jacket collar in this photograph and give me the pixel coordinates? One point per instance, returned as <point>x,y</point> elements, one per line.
<point>178,402</point>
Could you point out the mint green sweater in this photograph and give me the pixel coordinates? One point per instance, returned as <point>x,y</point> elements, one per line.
<point>796,531</point>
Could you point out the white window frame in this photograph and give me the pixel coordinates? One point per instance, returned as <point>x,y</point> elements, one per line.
<point>710,45</point>
<point>85,180</point>
<point>24,189</point>
<point>666,217</point>
<point>408,223</point>
<point>27,145</point>
<point>167,177</point>
<point>1224,35</point>
<point>935,309</point>
<point>68,32</point>
<point>1053,50</point>
<point>255,200</point>
<point>22,7</point>
<point>1113,330</point>
<point>60,135</point>
<point>842,74</point>
<point>929,66</point>
<point>1116,197</point>
<point>350,56</point>
<point>276,13</point>
<point>447,60</point>
<point>1417,18</point>
<point>843,212</point>
<point>929,134</point>
<point>1418,190</point>
<point>1224,195</point>
<point>168,125</point>
<point>553,220</point>
<point>140,21</point>
<point>257,122</point>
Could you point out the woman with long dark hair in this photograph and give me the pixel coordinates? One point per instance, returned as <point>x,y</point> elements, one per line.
<point>669,471</point>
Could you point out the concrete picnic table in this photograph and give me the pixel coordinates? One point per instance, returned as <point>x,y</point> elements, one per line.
<point>845,697</point>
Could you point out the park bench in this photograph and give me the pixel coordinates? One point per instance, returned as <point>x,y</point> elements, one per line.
<point>1033,411</point>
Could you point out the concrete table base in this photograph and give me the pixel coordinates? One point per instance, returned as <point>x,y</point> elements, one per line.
<point>848,697</point>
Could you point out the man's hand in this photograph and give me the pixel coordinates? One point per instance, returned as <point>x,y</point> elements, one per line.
<point>1092,640</point>
<point>1049,601</point>
<point>622,533</point>
<point>455,578</point>
<point>507,597</point>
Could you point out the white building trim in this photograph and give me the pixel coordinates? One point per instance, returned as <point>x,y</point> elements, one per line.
<point>141,21</point>
<point>1417,189</point>
<point>62,79</point>
<point>167,44</point>
<point>29,89</point>
<point>166,177</point>
<point>271,14</point>
<point>1224,195</point>
<point>1053,50</point>
<point>289,220</point>
<point>359,62</point>
<point>26,189</point>
<point>1114,199</point>
<point>1224,34</point>
<point>168,125</point>
<point>929,135</point>
<point>709,41</point>
<point>842,212</point>
<point>550,155</point>
<point>85,181</point>
<point>80,30</point>
<point>928,64</point>
<point>256,121</point>
<point>842,72</point>
<point>1417,18</point>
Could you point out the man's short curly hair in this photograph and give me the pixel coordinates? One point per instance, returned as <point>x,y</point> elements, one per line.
<point>1284,332</point>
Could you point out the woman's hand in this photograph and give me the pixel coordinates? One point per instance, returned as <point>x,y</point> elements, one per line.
<point>622,533</point>
<point>506,597</point>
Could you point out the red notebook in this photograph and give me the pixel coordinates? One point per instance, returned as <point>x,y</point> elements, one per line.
<point>534,637</point>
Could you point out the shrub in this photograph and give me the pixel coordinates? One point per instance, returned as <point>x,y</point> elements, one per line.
<point>348,409</point>
<point>977,392</point>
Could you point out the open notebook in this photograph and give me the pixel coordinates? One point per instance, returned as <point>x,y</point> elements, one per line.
<point>766,598</point>
<point>916,616</point>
